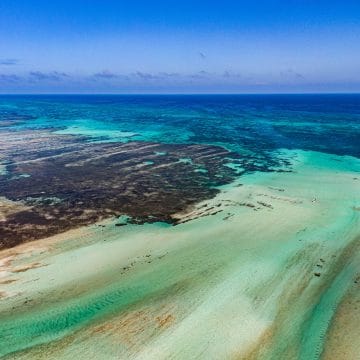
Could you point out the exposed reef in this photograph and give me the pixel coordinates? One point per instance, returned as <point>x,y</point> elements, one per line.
<point>58,182</point>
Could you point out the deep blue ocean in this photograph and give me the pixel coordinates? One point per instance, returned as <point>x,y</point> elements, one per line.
<point>249,124</point>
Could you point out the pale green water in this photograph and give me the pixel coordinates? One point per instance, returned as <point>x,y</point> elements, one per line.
<point>254,265</point>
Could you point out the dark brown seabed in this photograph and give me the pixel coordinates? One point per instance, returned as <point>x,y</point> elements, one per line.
<point>58,182</point>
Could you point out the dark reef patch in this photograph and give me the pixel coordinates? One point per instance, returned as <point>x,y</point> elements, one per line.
<point>66,182</point>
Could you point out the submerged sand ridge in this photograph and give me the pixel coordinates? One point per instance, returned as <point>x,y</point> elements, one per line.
<point>261,271</point>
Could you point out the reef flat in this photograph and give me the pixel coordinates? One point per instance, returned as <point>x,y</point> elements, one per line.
<point>179,249</point>
<point>61,182</point>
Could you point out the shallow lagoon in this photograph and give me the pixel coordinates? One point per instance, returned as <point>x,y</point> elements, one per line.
<point>266,269</point>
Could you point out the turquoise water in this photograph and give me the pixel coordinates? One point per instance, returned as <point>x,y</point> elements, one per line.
<point>252,124</point>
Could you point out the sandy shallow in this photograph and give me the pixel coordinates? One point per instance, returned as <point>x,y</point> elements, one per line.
<point>269,269</point>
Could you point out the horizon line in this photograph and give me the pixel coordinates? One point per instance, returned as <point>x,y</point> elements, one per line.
<point>177,94</point>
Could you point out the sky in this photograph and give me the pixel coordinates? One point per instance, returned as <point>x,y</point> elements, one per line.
<point>227,46</point>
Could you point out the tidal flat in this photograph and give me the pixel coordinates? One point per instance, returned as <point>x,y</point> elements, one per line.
<point>119,249</point>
